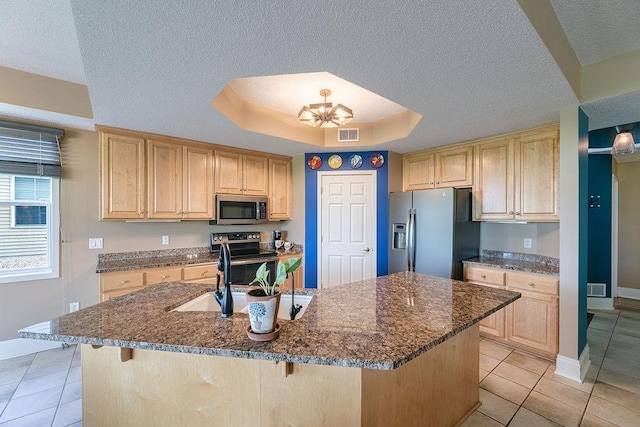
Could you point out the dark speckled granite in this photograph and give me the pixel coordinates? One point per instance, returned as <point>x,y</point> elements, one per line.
<point>517,261</point>
<point>377,324</point>
<point>123,261</point>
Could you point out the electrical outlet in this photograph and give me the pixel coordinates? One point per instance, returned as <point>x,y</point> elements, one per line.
<point>165,240</point>
<point>95,243</point>
<point>74,306</point>
<point>527,242</point>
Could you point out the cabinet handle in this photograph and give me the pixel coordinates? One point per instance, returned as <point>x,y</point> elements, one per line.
<point>431,183</point>
<point>204,273</point>
<point>437,182</point>
<point>531,284</point>
<point>484,276</point>
<point>139,212</point>
<point>165,276</point>
<point>122,282</point>
<point>510,212</point>
<point>517,213</point>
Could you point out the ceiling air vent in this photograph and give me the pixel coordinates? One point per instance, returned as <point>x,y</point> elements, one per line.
<point>349,135</point>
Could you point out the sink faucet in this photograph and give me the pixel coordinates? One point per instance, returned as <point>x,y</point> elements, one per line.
<point>225,299</point>
<point>295,308</point>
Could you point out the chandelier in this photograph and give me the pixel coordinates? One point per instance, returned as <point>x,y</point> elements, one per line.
<point>325,115</point>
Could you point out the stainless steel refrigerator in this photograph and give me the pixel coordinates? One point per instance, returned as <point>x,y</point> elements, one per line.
<point>431,231</point>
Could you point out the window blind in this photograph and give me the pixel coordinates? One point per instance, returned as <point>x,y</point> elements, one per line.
<point>30,150</point>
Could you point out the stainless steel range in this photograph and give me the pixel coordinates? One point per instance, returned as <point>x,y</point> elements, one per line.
<point>246,255</point>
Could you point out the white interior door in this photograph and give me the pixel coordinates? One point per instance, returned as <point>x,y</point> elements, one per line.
<point>347,227</point>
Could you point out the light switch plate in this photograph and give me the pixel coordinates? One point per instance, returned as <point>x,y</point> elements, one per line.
<point>95,243</point>
<point>527,243</point>
<point>74,306</point>
<point>165,240</point>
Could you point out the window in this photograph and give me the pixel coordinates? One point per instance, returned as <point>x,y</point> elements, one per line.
<point>30,168</point>
<point>30,189</point>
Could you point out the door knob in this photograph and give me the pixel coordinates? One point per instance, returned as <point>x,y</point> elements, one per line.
<point>367,249</point>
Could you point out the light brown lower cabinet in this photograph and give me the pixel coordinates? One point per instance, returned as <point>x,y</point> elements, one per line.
<point>297,275</point>
<point>120,283</point>
<point>531,322</point>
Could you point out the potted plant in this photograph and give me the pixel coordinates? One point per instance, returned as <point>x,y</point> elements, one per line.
<point>263,302</point>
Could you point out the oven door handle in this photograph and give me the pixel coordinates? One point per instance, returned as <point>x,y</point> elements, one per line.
<point>253,260</point>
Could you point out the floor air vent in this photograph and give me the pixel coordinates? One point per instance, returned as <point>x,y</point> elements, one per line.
<point>349,135</point>
<point>596,290</point>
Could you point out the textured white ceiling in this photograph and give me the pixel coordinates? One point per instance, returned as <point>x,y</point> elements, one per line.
<point>39,36</point>
<point>599,29</point>
<point>471,69</point>
<point>615,111</point>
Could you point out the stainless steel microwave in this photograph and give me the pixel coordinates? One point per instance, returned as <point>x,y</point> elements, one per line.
<point>231,210</point>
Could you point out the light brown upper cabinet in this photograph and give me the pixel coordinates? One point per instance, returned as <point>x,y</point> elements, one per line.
<point>441,168</point>
<point>238,173</point>
<point>122,177</point>
<point>516,177</point>
<point>280,189</point>
<point>454,167</point>
<point>180,181</point>
<point>418,172</point>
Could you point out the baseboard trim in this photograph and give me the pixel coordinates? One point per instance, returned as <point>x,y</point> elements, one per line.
<point>23,346</point>
<point>573,369</point>
<point>630,293</point>
<point>600,303</point>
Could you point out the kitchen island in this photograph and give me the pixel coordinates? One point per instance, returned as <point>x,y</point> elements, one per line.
<point>396,350</point>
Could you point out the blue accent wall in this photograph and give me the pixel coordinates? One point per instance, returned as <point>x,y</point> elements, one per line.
<point>311,209</point>
<point>583,225</point>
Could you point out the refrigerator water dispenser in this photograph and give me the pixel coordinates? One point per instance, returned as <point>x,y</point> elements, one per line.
<point>399,236</point>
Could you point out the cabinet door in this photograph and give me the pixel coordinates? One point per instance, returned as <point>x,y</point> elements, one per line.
<point>197,194</point>
<point>164,177</point>
<point>419,172</point>
<point>537,170</point>
<point>454,168</point>
<point>255,176</point>
<point>532,320</point>
<point>494,178</point>
<point>280,189</point>
<point>122,177</point>
<point>297,275</point>
<point>494,324</point>
<point>228,173</point>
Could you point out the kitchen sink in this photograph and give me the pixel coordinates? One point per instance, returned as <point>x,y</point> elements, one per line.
<point>207,302</point>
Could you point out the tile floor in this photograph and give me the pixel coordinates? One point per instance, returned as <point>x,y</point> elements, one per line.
<point>517,389</point>
<point>43,389</point>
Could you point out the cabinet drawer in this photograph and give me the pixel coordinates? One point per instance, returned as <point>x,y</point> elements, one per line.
<point>203,271</point>
<point>486,275</point>
<point>121,280</point>
<point>165,274</point>
<point>533,282</point>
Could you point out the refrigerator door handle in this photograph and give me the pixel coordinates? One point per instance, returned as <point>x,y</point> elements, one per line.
<point>411,254</point>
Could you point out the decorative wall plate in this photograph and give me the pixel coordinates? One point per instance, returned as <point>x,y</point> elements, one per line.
<point>355,161</point>
<point>314,162</point>
<point>376,160</point>
<point>335,161</point>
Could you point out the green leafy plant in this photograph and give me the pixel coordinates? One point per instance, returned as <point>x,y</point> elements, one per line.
<point>262,275</point>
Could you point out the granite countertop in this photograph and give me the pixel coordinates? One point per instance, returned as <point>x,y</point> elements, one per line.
<point>124,261</point>
<point>380,323</point>
<point>517,261</point>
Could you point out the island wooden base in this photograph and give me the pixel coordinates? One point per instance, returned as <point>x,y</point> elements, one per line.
<point>438,388</point>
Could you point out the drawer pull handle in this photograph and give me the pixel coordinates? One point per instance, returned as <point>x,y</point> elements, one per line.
<point>165,276</point>
<point>484,276</point>
<point>531,284</point>
<point>124,281</point>
<point>204,273</point>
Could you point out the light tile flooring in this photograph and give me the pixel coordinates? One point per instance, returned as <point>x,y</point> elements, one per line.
<point>43,389</point>
<point>517,389</point>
